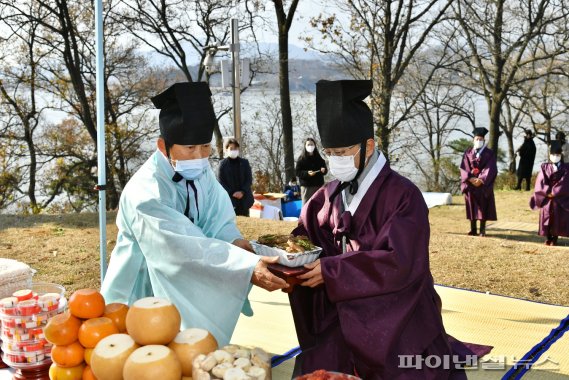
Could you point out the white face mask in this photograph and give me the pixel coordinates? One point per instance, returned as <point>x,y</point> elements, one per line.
<point>342,167</point>
<point>310,148</point>
<point>192,169</point>
<point>233,153</point>
<point>555,158</point>
<point>478,144</point>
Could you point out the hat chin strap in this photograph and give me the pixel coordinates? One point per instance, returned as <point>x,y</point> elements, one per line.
<point>353,184</point>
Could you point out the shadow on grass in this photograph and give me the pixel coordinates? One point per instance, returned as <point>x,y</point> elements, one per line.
<point>518,236</point>
<point>74,220</point>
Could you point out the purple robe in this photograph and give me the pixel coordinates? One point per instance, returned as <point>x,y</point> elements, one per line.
<point>378,300</point>
<point>554,212</point>
<point>480,203</point>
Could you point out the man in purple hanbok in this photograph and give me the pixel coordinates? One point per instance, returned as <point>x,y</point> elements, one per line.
<point>368,305</point>
<point>551,196</point>
<point>478,171</point>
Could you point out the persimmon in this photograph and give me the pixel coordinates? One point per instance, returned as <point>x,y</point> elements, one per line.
<point>68,356</point>
<point>88,374</point>
<point>117,313</point>
<point>95,329</point>
<point>87,355</point>
<point>62,329</point>
<point>87,303</point>
<point>72,373</point>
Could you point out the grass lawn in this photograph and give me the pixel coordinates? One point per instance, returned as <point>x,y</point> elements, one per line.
<point>65,249</point>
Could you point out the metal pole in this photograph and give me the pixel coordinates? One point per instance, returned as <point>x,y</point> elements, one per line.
<point>236,79</point>
<point>102,182</point>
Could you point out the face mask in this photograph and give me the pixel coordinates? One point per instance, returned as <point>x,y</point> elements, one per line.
<point>233,153</point>
<point>310,148</point>
<point>342,167</point>
<point>192,169</point>
<point>555,158</point>
<point>478,144</point>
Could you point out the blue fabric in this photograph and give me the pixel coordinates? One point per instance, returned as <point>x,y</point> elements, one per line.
<point>160,252</point>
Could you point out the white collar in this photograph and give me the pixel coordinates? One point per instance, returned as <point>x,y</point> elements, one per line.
<point>480,151</point>
<point>365,185</point>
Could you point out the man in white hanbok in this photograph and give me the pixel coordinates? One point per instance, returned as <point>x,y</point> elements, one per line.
<point>177,235</point>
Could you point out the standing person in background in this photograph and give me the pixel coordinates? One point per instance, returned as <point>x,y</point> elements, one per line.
<point>560,136</point>
<point>478,171</point>
<point>235,176</point>
<point>527,157</point>
<point>551,196</point>
<point>310,169</point>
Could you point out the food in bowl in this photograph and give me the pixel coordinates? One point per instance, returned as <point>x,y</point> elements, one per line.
<point>288,243</point>
<point>326,375</point>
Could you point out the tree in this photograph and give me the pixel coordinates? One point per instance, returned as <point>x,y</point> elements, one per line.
<point>284,22</point>
<point>66,76</point>
<point>441,111</point>
<point>495,45</point>
<point>20,93</point>
<point>180,31</point>
<point>379,43</point>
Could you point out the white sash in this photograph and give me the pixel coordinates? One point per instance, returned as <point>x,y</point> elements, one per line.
<point>365,185</point>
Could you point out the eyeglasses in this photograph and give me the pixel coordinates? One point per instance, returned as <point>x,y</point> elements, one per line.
<point>337,152</point>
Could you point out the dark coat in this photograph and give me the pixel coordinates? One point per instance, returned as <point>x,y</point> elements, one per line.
<point>480,203</point>
<point>527,157</point>
<point>235,175</point>
<point>314,163</point>
<point>378,300</point>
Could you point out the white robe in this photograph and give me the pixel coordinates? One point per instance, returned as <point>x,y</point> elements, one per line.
<point>160,252</point>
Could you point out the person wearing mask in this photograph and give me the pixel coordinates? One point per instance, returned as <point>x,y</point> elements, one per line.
<point>560,136</point>
<point>370,296</point>
<point>235,176</point>
<point>478,171</point>
<point>177,238</point>
<point>310,170</point>
<point>292,191</point>
<point>551,196</point>
<point>527,157</point>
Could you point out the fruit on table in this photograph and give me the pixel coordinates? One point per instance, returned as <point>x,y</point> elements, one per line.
<point>190,343</point>
<point>87,303</point>
<point>62,329</point>
<point>153,320</point>
<point>59,373</point>
<point>95,329</point>
<point>88,374</point>
<point>87,355</point>
<point>110,355</point>
<point>68,356</point>
<point>152,362</point>
<point>117,313</point>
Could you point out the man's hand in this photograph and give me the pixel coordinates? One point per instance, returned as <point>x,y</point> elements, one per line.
<point>314,277</point>
<point>476,181</point>
<point>550,195</point>
<point>322,170</point>
<point>238,194</point>
<point>263,278</point>
<point>242,243</point>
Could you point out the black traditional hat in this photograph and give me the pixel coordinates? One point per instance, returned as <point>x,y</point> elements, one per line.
<point>556,147</point>
<point>480,131</point>
<point>343,118</point>
<point>186,113</point>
